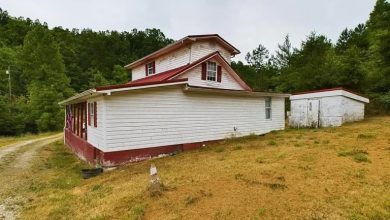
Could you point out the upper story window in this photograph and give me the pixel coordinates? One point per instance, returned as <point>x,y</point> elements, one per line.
<point>150,68</point>
<point>211,71</point>
<point>268,107</point>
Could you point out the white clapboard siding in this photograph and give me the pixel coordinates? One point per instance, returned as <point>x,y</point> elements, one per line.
<point>169,116</point>
<point>203,48</point>
<point>195,79</point>
<point>181,57</point>
<point>96,136</point>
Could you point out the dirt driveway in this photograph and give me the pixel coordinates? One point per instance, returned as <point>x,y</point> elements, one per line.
<point>15,161</point>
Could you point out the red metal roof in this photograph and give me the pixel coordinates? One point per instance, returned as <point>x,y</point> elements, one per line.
<point>165,76</point>
<point>120,86</point>
<point>169,75</point>
<point>159,76</point>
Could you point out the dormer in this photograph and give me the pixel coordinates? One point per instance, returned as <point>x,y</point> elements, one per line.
<point>182,52</point>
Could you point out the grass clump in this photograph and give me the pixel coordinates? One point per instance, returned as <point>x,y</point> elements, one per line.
<point>190,200</point>
<point>276,186</point>
<point>219,149</point>
<point>351,152</point>
<point>360,157</point>
<point>366,136</point>
<point>272,143</point>
<point>237,147</point>
<point>137,212</point>
<point>259,214</point>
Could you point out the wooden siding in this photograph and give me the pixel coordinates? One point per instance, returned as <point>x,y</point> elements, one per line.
<point>228,82</point>
<point>182,57</point>
<point>96,134</point>
<point>160,117</point>
<point>202,48</point>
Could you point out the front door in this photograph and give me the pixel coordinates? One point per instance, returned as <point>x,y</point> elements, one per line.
<point>313,110</point>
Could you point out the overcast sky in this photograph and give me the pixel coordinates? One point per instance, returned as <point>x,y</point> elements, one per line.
<point>244,23</point>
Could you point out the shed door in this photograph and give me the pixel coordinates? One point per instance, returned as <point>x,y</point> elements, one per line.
<point>313,110</point>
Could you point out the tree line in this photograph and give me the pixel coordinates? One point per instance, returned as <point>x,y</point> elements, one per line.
<point>49,65</point>
<point>359,61</point>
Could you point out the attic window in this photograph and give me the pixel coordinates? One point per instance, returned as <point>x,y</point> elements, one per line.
<point>150,68</point>
<point>211,71</point>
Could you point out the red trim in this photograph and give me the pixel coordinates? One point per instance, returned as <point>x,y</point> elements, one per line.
<point>146,69</point>
<point>91,154</point>
<point>204,71</point>
<point>79,146</point>
<point>101,88</point>
<point>219,73</point>
<point>327,90</point>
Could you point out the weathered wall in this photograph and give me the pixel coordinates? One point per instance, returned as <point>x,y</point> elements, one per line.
<point>161,117</point>
<point>334,111</point>
<point>352,110</point>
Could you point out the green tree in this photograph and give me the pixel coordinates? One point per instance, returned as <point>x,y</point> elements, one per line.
<point>43,67</point>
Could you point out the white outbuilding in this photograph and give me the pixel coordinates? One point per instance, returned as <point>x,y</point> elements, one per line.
<point>326,108</point>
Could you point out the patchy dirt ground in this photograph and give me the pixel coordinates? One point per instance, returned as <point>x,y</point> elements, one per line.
<point>15,162</point>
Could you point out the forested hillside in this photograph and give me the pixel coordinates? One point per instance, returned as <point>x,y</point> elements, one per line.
<point>49,65</point>
<point>359,60</point>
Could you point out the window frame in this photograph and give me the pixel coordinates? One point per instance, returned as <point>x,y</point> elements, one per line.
<point>208,77</point>
<point>149,68</point>
<point>268,108</point>
<point>91,114</point>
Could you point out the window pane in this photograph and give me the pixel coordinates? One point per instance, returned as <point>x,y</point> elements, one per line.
<point>268,113</point>
<point>211,71</point>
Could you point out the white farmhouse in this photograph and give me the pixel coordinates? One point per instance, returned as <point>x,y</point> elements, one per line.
<point>326,108</point>
<point>181,97</point>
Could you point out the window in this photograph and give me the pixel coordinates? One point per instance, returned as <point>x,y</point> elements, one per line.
<point>149,68</point>
<point>91,117</point>
<point>268,105</point>
<point>211,71</point>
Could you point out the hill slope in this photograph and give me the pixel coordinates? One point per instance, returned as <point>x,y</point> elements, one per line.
<point>333,173</point>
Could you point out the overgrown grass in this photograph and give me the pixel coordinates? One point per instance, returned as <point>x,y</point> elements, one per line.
<point>283,182</point>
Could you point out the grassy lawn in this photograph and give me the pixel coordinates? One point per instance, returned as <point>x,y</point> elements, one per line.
<point>332,173</point>
<point>5,140</point>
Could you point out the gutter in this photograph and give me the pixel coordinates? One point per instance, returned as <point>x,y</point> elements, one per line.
<point>76,98</point>
<point>99,91</point>
<point>189,88</point>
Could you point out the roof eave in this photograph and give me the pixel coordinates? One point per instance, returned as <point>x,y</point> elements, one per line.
<point>79,97</point>
<point>178,43</point>
<point>190,88</point>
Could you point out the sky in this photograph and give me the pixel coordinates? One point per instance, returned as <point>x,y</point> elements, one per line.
<point>244,23</point>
